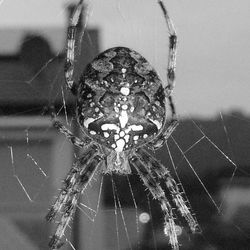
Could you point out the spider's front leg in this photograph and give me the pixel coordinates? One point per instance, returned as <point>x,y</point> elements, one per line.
<point>157,192</point>
<point>159,141</point>
<point>172,50</point>
<point>71,39</point>
<point>161,138</point>
<point>85,141</point>
<point>69,135</point>
<point>74,184</point>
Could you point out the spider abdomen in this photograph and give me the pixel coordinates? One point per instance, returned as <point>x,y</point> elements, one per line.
<point>121,101</point>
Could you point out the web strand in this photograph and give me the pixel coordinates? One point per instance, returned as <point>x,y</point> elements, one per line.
<point>16,176</point>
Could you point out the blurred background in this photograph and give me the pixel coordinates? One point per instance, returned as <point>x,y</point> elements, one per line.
<point>209,151</point>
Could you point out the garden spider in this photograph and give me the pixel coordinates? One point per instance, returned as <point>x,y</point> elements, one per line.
<point>121,110</point>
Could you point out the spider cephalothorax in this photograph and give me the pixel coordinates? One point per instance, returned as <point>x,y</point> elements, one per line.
<point>121,110</point>
<point>121,102</point>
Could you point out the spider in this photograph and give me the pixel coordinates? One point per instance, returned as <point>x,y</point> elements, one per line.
<point>121,110</point>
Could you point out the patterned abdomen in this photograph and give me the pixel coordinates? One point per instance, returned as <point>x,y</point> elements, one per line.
<point>121,102</point>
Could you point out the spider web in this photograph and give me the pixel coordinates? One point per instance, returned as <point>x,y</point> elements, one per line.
<point>208,153</point>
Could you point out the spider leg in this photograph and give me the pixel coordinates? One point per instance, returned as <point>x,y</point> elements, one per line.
<point>70,181</point>
<point>172,50</point>
<point>162,138</point>
<point>62,129</point>
<point>71,38</point>
<point>174,121</point>
<point>157,192</point>
<point>74,139</point>
<point>176,191</point>
<point>74,184</point>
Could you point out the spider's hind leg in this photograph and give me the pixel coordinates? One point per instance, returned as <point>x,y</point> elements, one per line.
<point>177,192</point>
<point>74,184</point>
<point>157,192</point>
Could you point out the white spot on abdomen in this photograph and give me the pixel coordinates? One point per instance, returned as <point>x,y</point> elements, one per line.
<point>136,127</point>
<point>124,106</point>
<point>87,122</point>
<point>122,133</point>
<point>126,137</point>
<point>123,118</point>
<point>110,126</point>
<point>120,145</point>
<point>106,134</point>
<point>125,90</point>
<point>136,137</point>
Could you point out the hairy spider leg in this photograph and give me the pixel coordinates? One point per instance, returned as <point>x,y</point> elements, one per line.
<point>70,182</point>
<point>157,192</point>
<point>162,137</point>
<point>71,205</point>
<point>174,121</point>
<point>75,185</point>
<point>176,191</point>
<point>73,139</point>
<point>70,50</point>
<point>172,50</point>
